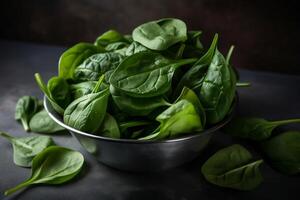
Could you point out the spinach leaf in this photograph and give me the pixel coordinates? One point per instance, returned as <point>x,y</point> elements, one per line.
<point>283,151</point>
<point>178,119</point>
<point>194,77</point>
<point>73,57</point>
<point>191,96</point>
<point>26,148</point>
<point>109,127</point>
<point>193,39</point>
<point>41,122</point>
<point>146,74</point>
<point>46,91</point>
<point>116,46</point>
<point>124,126</point>
<point>110,36</point>
<point>26,107</point>
<point>81,89</point>
<point>59,91</point>
<point>135,128</point>
<point>254,128</point>
<point>87,112</point>
<point>54,165</point>
<point>96,65</point>
<point>193,46</point>
<point>218,88</point>
<point>134,48</point>
<point>136,106</point>
<point>160,34</point>
<point>232,167</point>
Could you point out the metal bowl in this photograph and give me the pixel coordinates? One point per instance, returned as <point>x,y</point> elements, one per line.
<point>137,155</point>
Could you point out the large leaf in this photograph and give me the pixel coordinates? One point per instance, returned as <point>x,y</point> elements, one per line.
<point>160,34</point>
<point>146,74</point>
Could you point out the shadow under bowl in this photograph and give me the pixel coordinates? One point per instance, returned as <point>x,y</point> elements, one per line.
<point>138,155</point>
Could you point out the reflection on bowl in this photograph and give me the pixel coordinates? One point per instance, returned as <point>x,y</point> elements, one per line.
<point>139,155</point>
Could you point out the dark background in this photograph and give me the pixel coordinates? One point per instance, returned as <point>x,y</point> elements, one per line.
<point>265,33</point>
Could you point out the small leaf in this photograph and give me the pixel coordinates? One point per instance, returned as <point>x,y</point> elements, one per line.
<point>110,36</point>
<point>41,122</point>
<point>73,57</point>
<point>232,167</point>
<point>26,107</point>
<point>109,127</point>
<point>160,34</point>
<point>180,118</point>
<point>26,148</point>
<point>54,165</point>
<point>59,91</point>
<point>191,96</point>
<point>47,93</point>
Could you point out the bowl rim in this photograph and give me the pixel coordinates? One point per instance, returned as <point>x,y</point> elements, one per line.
<point>195,134</point>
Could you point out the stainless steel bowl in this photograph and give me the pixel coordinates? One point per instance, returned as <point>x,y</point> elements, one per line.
<point>136,155</point>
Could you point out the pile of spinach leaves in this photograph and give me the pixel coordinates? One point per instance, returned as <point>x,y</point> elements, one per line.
<point>158,83</point>
<point>120,79</point>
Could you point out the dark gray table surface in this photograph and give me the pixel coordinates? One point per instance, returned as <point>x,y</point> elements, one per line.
<point>273,96</point>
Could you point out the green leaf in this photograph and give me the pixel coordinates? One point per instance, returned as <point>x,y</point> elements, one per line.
<point>254,128</point>
<point>194,77</point>
<point>116,46</point>
<point>110,36</point>
<point>283,152</point>
<point>26,107</point>
<point>146,74</point>
<point>81,89</point>
<point>134,48</point>
<point>232,167</point>
<point>73,57</point>
<point>109,127</point>
<point>136,106</point>
<point>59,91</point>
<point>160,34</point>
<point>180,118</point>
<point>26,148</point>
<point>54,165</point>
<point>95,66</point>
<point>41,122</point>
<point>193,45</point>
<point>87,112</point>
<point>218,89</point>
<point>45,90</point>
<point>191,96</point>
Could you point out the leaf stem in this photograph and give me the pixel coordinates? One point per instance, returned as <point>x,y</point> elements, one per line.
<point>288,121</point>
<point>97,86</point>
<point>185,62</point>
<point>7,136</point>
<point>229,54</point>
<point>243,84</point>
<point>16,188</point>
<point>25,124</point>
<point>180,51</point>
